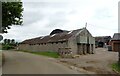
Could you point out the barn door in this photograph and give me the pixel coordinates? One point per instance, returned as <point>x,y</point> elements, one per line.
<point>117,47</point>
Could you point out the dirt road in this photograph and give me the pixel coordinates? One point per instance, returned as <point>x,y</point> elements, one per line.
<point>99,63</point>
<point>26,63</point>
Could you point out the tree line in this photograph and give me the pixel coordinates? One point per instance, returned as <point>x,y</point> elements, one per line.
<point>9,44</point>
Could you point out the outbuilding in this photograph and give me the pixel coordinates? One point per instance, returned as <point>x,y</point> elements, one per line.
<point>115,42</point>
<point>102,41</point>
<point>78,41</point>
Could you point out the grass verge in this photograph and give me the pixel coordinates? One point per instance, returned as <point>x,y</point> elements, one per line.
<point>49,54</point>
<point>116,67</point>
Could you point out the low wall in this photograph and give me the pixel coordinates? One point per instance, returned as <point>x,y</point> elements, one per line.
<point>42,47</point>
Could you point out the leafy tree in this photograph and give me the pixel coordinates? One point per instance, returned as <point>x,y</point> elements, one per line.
<point>11,14</point>
<point>5,41</point>
<point>8,41</point>
<point>13,41</point>
<point>9,44</point>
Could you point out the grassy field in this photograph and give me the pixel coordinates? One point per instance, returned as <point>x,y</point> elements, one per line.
<point>116,67</point>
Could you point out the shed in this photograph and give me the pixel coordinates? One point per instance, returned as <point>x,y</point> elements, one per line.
<point>115,42</point>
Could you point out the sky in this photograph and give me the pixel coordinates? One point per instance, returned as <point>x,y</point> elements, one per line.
<point>40,17</point>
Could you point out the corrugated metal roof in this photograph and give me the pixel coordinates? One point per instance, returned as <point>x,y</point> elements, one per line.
<point>116,36</point>
<point>58,37</point>
<point>102,38</point>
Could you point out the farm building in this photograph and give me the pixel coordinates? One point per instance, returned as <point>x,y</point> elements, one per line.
<point>102,41</point>
<point>115,42</point>
<point>78,41</point>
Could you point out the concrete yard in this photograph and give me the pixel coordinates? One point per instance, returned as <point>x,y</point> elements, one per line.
<point>98,63</point>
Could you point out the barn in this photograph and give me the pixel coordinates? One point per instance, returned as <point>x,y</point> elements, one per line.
<point>115,42</point>
<point>79,41</point>
<point>102,41</point>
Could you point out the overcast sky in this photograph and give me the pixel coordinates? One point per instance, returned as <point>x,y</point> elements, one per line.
<point>42,16</point>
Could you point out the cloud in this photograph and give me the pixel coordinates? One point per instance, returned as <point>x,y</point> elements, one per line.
<point>41,17</point>
<point>57,19</point>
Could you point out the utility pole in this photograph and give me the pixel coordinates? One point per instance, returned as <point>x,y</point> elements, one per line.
<point>118,28</point>
<point>86,25</point>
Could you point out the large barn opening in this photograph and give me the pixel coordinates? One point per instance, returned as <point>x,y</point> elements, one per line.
<point>88,48</point>
<point>80,48</point>
<point>100,44</point>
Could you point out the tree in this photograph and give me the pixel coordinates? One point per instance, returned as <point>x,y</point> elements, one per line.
<point>11,15</point>
<point>5,41</point>
<point>13,41</point>
<point>8,41</point>
<point>9,44</point>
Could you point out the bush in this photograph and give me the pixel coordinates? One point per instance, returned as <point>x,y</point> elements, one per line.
<point>7,47</point>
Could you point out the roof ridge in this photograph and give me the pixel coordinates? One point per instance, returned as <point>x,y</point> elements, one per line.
<point>62,36</point>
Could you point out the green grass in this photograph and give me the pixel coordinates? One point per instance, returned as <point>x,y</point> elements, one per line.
<point>116,67</point>
<point>49,54</point>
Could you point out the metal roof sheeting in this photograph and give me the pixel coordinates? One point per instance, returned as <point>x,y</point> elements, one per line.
<point>116,36</point>
<point>58,37</point>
